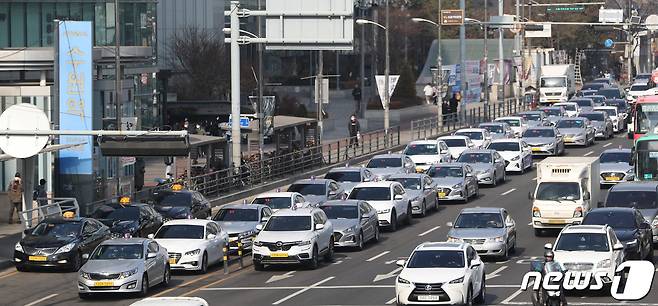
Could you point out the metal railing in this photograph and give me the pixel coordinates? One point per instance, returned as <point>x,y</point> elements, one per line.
<point>57,208</point>
<point>429,127</point>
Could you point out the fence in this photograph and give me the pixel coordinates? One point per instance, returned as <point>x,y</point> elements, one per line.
<point>429,127</point>
<point>57,207</point>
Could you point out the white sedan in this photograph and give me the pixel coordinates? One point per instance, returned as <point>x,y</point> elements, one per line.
<point>516,153</point>
<point>479,136</point>
<point>457,144</point>
<point>192,244</point>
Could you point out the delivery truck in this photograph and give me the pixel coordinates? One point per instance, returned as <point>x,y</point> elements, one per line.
<point>557,84</point>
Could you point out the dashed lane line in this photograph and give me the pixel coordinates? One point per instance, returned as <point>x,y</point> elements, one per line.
<point>296,293</point>
<point>607,144</point>
<point>391,301</point>
<point>42,299</point>
<point>588,153</point>
<point>429,231</point>
<point>377,256</point>
<point>508,192</point>
<point>513,296</point>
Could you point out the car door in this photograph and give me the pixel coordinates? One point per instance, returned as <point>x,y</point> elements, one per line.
<point>150,223</point>
<point>335,191</point>
<point>400,205</point>
<point>511,229</point>
<point>646,236</point>
<point>216,245</point>
<point>319,234</point>
<point>472,272</point>
<point>499,164</point>
<point>327,231</point>
<point>617,255</point>
<point>204,206</point>
<point>409,165</point>
<point>469,179</point>
<point>429,189</point>
<point>444,152</point>
<point>88,236</point>
<point>364,221</point>
<point>526,155</point>
<point>154,266</point>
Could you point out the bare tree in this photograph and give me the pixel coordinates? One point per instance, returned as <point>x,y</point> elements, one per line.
<point>200,63</point>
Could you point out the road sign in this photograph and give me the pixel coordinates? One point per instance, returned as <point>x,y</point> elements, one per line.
<point>23,117</point>
<point>244,121</point>
<point>392,82</point>
<point>452,17</point>
<point>545,32</point>
<point>503,22</point>
<point>608,43</point>
<point>565,9</point>
<point>652,22</point>
<point>611,15</point>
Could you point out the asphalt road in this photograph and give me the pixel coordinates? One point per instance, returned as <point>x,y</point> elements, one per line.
<point>353,278</point>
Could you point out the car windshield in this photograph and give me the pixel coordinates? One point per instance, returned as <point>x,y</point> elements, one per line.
<point>612,112</point>
<point>310,189</point>
<point>570,124</point>
<point>436,259</point>
<point>496,129</point>
<point>583,103</point>
<point>558,191</point>
<point>639,87</point>
<point>371,194</point>
<point>274,202</point>
<point>421,149</point>
<point>471,135</point>
<point>610,93</point>
<point>479,220</point>
<point>408,183</point>
<point>344,176</point>
<point>446,172</point>
<point>118,251</point>
<point>470,158</point>
<point>237,214</point>
<point>531,117</point>
<point>504,146</point>
<point>455,143</point>
<point>614,219</point>
<point>593,116</point>
<point>548,82</point>
<point>646,118</point>
<point>180,199</point>
<point>125,213</point>
<point>385,163</point>
<point>288,223</point>
<point>615,157</point>
<point>583,242</point>
<point>511,122</point>
<point>180,232</point>
<point>552,111</point>
<point>598,100</point>
<point>620,105</point>
<point>595,86</point>
<point>539,133</point>
<point>569,107</point>
<point>57,230</point>
<point>341,211</point>
<point>634,199</point>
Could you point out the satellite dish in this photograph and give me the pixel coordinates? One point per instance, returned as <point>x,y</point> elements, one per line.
<point>23,117</point>
<point>652,22</point>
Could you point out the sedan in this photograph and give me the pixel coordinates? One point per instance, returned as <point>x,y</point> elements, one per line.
<point>425,153</point>
<point>516,153</point>
<point>554,113</point>
<point>603,127</point>
<point>629,226</point>
<point>572,109</point>
<point>639,195</point>
<point>355,222</point>
<point>598,100</point>
<point>615,166</point>
<point>612,93</point>
<point>384,165</point>
<point>59,242</point>
<point>498,130</point>
<point>181,204</point>
<point>240,221</point>
<point>457,144</point>
<point>488,164</point>
<point>491,231</point>
<point>518,124</point>
<point>612,111</point>
<point>317,191</point>
<point>454,181</point>
<point>585,104</point>
<point>576,131</point>
<point>193,245</point>
<point>280,200</point>
<point>480,137</point>
<point>124,266</point>
<point>623,110</point>
<point>130,220</point>
<point>534,118</point>
<point>544,141</point>
<point>421,189</point>
<point>348,177</point>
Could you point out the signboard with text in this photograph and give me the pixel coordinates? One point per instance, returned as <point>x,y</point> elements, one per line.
<point>452,17</point>
<point>74,81</point>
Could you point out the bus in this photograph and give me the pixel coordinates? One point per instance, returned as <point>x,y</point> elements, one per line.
<point>645,158</point>
<point>644,117</point>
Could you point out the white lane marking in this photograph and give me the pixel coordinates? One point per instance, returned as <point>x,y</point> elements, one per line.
<point>391,301</point>
<point>588,153</point>
<point>523,261</point>
<point>513,296</point>
<point>391,261</point>
<point>607,144</point>
<point>378,255</point>
<point>296,293</point>
<point>534,178</point>
<point>337,262</point>
<point>302,287</point>
<point>508,192</point>
<point>495,273</point>
<point>275,278</point>
<point>42,299</point>
<point>388,275</point>
<point>429,231</point>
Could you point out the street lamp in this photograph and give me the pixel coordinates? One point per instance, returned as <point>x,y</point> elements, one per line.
<point>387,96</point>
<point>439,69</point>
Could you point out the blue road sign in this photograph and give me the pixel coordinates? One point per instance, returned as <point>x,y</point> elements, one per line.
<point>244,121</point>
<point>608,43</point>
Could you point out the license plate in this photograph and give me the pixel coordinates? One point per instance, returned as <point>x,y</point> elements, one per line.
<point>611,178</point>
<point>172,261</point>
<point>555,221</point>
<point>37,258</point>
<point>442,195</point>
<point>568,139</point>
<point>426,298</point>
<point>536,149</point>
<point>279,255</point>
<point>419,170</point>
<point>103,284</point>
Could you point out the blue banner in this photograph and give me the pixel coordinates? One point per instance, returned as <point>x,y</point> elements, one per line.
<point>74,81</point>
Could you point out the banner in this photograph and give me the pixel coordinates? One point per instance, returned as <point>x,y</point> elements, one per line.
<point>392,82</point>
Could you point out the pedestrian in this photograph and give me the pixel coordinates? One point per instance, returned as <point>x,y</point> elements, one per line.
<point>454,104</point>
<point>429,92</point>
<point>355,131</point>
<point>356,93</point>
<point>15,193</point>
<point>40,194</point>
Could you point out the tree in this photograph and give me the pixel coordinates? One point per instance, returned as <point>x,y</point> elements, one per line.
<point>201,64</point>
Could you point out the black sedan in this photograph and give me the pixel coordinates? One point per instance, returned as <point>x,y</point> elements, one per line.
<point>630,228</point>
<point>181,204</point>
<point>134,220</point>
<point>59,242</point>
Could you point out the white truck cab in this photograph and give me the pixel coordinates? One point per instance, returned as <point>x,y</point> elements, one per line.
<point>567,189</point>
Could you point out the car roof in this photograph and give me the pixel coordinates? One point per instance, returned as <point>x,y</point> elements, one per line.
<point>441,246</point>
<point>549,107</point>
<point>303,211</point>
<point>479,151</point>
<point>509,118</point>
<point>346,169</point>
<point>603,210</point>
<point>635,186</point>
<point>200,222</point>
<point>453,164</point>
<point>407,175</point>
<point>243,206</point>
<point>472,210</point>
<point>585,229</point>
<point>120,241</point>
<point>617,150</point>
<point>280,194</point>
<point>389,155</point>
<point>541,128</point>
<point>386,184</point>
<point>531,112</point>
<point>504,140</point>
<point>314,181</point>
<point>496,123</point>
<point>573,118</point>
<point>454,137</point>
<point>472,130</point>
<point>59,219</point>
<point>425,141</point>
<point>346,202</point>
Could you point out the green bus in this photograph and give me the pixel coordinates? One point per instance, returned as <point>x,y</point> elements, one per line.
<point>645,158</point>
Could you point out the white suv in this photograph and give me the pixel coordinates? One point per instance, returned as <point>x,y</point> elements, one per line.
<point>591,248</point>
<point>388,198</point>
<point>441,273</point>
<point>294,236</point>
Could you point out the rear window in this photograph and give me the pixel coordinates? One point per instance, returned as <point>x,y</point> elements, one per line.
<point>455,142</point>
<point>635,199</point>
<point>371,193</point>
<point>344,176</point>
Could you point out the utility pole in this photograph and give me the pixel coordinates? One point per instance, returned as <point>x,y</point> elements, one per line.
<point>501,57</point>
<point>117,85</point>
<point>387,71</point>
<point>517,45</point>
<point>439,70</point>
<point>362,68</point>
<point>486,58</point>
<point>319,81</point>
<point>261,117</point>
<point>462,58</point>
<point>235,86</point>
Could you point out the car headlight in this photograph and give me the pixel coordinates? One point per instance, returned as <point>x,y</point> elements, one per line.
<point>536,213</point>
<point>578,213</point>
<point>84,275</point>
<point>454,239</point>
<point>457,281</point>
<point>350,230</point>
<point>403,281</point>
<point>384,211</point>
<point>246,234</point>
<point>18,247</point>
<point>496,239</point>
<point>127,274</point>
<point>604,263</point>
<point>65,249</point>
<point>416,200</point>
<point>580,135</point>
<point>193,252</point>
<point>457,186</point>
<point>516,158</point>
<point>304,243</point>
<point>258,243</point>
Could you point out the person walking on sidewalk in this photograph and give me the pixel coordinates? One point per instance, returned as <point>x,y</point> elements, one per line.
<point>455,102</point>
<point>355,133</point>
<point>40,193</point>
<point>15,193</point>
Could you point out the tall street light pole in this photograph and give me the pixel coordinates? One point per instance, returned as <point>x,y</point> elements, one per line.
<point>439,69</point>
<point>462,58</point>
<point>501,57</point>
<point>117,85</point>
<point>235,86</point>
<point>387,98</point>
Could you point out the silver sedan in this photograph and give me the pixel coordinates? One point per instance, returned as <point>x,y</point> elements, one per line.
<point>454,181</point>
<point>491,231</point>
<point>488,164</point>
<point>355,222</point>
<point>421,189</point>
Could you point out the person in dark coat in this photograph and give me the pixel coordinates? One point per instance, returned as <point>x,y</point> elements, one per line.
<point>355,131</point>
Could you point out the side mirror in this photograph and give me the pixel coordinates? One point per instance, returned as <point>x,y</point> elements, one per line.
<point>398,197</point>
<point>558,135</point>
<point>475,263</point>
<point>264,219</point>
<point>27,231</point>
<point>444,152</point>
<point>400,263</point>
<point>319,227</point>
<point>211,236</point>
<point>469,174</point>
<point>586,195</point>
<point>85,256</point>
<point>449,224</point>
<point>531,196</point>
<point>150,236</point>
<point>645,226</point>
<point>151,255</point>
<point>548,246</point>
<point>259,227</point>
<point>617,247</point>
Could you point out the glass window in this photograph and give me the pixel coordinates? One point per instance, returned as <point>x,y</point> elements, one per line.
<point>635,199</point>
<point>583,242</point>
<point>308,189</point>
<point>371,193</point>
<point>475,158</point>
<point>211,229</point>
<point>616,157</point>
<point>180,199</point>
<point>4,25</point>
<point>274,203</point>
<point>408,183</point>
<point>539,133</point>
<point>617,220</point>
<point>421,149</point>
<point>99,25</point>
<point>288,223</point>
<point>57,230</point>
<point>385,163</point>
<point>118,251</point>
<point>558,191</point>
<point>471,135</point>
<point>455,142</point>
<point>62,10</point>
<point>33,28</point>
<point>479,220</point>
<point>344,176</point>
<point>127,15</point>
<point>17,13</point>
<point>340,211</point>
<point>88,12</point>
<point>436,259</point>
<point>76,11</point>
<point>504,146</point>
<point>446,172</point>
<point>236,214</point>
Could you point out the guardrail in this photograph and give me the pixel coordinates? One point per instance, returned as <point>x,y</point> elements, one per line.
<point>57,207</point>
<point>429,127</point>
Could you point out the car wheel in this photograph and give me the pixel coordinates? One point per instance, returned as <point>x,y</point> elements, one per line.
<point>394,221</point>
<point>313,263</point>
<point>145,286</point>
<point>377,237</point>
<point>329,256</point>
<point>407,219</point>
<point>204,264</point>
<point>166,279</point>
<point>259,266</point>
<point>423,210</point>
<point>483,292</point>
<point>359,246</point>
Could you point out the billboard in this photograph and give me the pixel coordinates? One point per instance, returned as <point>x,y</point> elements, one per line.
<point>74,83</point>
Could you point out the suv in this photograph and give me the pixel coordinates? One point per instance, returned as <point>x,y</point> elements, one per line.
<point>441,273</point>
<point>317,191</point>
<point>388,198</point>
<point>589,248</point>
<point>294,236</point>
<point>280,200</point>
<point>629,226</point>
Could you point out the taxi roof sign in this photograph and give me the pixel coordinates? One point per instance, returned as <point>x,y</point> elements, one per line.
<point>68,215</point>
<point>124,200</point>
<point>177,187</point>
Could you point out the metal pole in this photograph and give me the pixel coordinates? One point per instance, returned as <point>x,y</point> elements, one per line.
<point>517,45</point>
<point>362,69</point>
<point>387,96</point>
<point>117,85</point>
<point>462,57</point>
<point>235,86</point>
<point>261,117</point>
<point>501,57</point>
<point>486,60</point>
<point>319,80</point>
<point>439,71</point>
<point>629,47</point>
